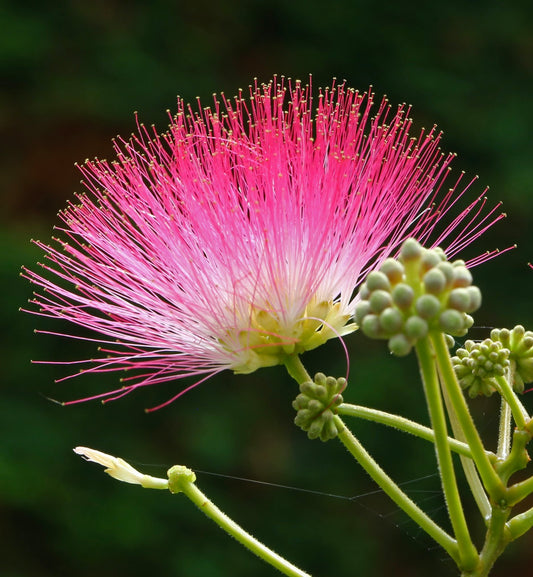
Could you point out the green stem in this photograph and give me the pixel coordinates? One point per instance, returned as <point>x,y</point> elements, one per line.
<point>469,467</point>
<point>394,492</point>
<point>182,480</point>
<point>520,414</point>
<point>400,423</point>
<point>296,369</point>
<point>518,459</point>
<point>467,551</point>
<point>520,524</point>
<point>491,481</point>
<point>504,433</point>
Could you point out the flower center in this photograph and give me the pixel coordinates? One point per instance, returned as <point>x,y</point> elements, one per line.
<point>268,339</point>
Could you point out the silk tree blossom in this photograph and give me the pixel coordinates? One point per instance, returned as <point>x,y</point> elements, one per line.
<point>238,237</point>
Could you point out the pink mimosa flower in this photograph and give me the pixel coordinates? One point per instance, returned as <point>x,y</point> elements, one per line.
<point>239,236</point>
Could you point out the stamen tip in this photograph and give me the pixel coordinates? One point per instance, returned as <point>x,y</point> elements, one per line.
<point>55,401</point>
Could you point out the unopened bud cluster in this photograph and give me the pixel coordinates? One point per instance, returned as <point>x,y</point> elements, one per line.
<point>417,293</point>
<point>520,344</point>
<point>316,406</point>
<point>477,364</point>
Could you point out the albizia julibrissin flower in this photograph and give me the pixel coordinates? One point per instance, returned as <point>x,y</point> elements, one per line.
<point>238,237</point>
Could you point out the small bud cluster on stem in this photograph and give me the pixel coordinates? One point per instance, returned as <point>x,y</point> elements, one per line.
<point>520,344</point>
<point>316,405</point>
<point>477,364</point>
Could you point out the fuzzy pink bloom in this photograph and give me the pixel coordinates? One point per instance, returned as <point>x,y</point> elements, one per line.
<point>239,236</point>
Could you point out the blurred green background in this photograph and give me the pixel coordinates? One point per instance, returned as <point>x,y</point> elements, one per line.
<point>73,73</point>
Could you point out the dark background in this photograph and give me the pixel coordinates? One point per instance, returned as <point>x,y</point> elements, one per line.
<point>73,73</point>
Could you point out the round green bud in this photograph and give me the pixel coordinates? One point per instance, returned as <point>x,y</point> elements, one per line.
<point>334,386</point>
<point>321,393</point>
<point>304,418</point>
<point>316,427</point>
<point>450,341</point>
<point>525,367</point>
<point>364,292</point>
<point>400,345</point>
<point>527,343</point>
<point>403,296</point>
<point>459,299</point>
<point>427,306</point>
<point>430,259</point>
<point>452,321</point>
<point>461,276</point>
<point>441,253</point>
<point>470,345</point>
<point>362,308</point>
<point>314,405</point>
<point>415,328</point>
<point>328,430</point>
<point>371,327</point>
<point>434,281</point>
<point>494,357</point>
<point>518,384</point>
<point>300,402</point>
<point>411,250</point>
<point>447,270</point>
<point>520,343</point>
<point>380,300</point>
<point>480,387</point>
<point>330,382</point>
<point>517,334</point>
<point>309,388</point>
<point>391,320</point>
<point>475,298</point>
<point>502,335</point>
<point>377,280</point>
<point>393,269</point>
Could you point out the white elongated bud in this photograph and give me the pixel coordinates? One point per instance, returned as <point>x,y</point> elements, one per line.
<point>120,469</point>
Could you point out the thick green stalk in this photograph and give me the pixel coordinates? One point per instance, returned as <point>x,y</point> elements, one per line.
<point>400,423</point>
<point>394,492</point>
<point>495,542</point>
<point>181,480</point>
<point>428,370</point>
<point>491,481</point>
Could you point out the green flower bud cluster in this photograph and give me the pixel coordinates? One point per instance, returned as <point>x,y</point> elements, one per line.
<point>520,344</point>
<point>477,364</point>
<point>316,405</point>
<point>417,293</point>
